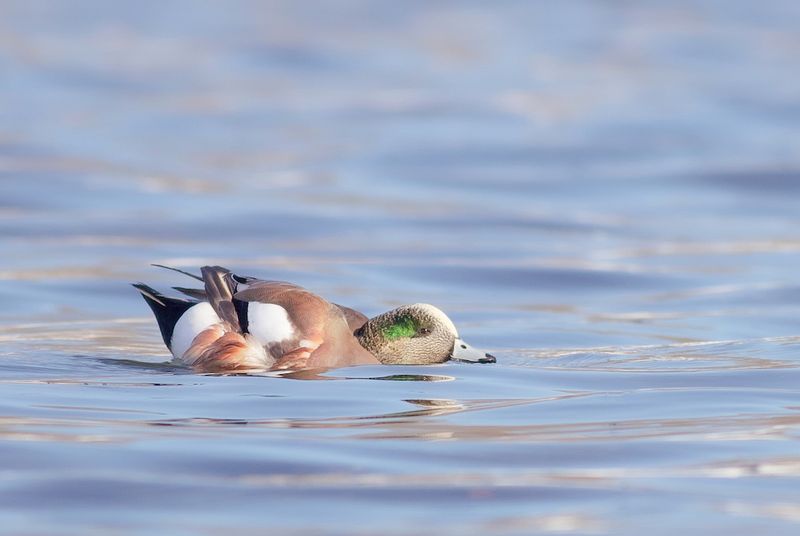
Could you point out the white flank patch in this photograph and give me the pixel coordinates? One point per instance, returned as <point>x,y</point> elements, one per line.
<point>439,315</point>
<point>268,323</point>
<point>190,324</point>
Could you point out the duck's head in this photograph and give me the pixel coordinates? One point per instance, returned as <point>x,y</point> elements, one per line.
<point>418,334</point>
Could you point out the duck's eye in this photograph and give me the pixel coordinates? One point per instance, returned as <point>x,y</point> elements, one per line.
<point>421,332</point>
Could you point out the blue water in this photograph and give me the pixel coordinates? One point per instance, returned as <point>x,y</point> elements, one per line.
<point>603,194</point>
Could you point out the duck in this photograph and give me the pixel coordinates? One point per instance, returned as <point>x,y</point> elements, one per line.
<point>239,324</point>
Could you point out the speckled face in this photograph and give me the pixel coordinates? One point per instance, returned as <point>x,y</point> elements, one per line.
<point>415,334</point>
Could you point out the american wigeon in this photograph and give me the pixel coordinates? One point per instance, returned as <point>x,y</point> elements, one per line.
<point>240,323</point>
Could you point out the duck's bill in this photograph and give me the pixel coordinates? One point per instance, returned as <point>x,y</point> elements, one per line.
<point>467,354</point>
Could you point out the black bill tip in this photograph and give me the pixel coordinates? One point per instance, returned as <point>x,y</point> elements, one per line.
<point>488,359</point>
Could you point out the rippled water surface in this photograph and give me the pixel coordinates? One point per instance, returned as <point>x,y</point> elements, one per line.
<point>606,195</point>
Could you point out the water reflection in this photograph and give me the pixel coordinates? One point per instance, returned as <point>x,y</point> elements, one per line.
<point>410,378</point>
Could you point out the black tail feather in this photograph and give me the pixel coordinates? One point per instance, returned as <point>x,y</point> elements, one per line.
<point>196,293</point>
<point>178,270</point>
<point>166,309</point>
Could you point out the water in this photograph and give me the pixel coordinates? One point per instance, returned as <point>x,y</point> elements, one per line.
<point>602,194</point>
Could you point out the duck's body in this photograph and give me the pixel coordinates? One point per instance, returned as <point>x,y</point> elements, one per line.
<point>241,323</point>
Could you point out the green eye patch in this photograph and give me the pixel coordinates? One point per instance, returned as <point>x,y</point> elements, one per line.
<point>404,326</point>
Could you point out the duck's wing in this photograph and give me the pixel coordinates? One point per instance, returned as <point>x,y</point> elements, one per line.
<point>220,288</point>
<point>354,318</point>
<point>300,327</point>
<point>240,323</point>
<point>277,312</point>
<point>285,319</point>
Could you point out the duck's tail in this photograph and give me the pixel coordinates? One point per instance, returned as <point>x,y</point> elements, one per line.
<point>214,303</point>
<point>167,310</point>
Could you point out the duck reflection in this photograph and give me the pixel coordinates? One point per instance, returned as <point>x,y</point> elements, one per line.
<point>319,374</point>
